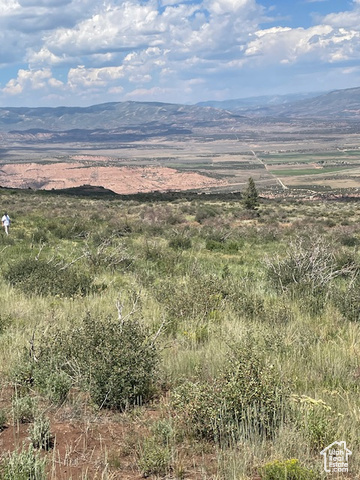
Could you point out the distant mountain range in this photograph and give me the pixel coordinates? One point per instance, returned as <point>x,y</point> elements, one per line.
<point>254,104</point>
<point>110,116</point>
<point>337,103</point>
<point>130,121</point>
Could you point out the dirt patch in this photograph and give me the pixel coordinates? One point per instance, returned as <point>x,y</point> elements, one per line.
<point>123,180</point>
<point>82,448</point>
<point>105,446</point>
<point>92,444</point>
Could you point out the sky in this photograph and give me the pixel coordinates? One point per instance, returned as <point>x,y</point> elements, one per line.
<point>85,52</point>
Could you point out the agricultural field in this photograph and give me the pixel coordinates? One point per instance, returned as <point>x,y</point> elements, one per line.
<point>331,169</point>
<point>178,336</point>
<point>274,155</point>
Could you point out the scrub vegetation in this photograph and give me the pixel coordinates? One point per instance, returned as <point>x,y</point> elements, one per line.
<point>191,337</point>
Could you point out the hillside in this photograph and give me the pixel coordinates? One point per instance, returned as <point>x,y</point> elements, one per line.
<point>185,338</point>
<point>257,103</point>
<point>110,116</point>
<point>339,104</point>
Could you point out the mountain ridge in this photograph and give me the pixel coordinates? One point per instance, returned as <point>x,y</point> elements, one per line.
<point>344,103</point>
<point>132,121</point>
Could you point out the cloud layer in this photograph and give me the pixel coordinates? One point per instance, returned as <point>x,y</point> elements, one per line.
<point>78,52</point>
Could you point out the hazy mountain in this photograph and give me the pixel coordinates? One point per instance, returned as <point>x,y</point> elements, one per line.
<point>250,104</point>
<point>335,104</point>
<point>131,121</point>
<point>110,116</point>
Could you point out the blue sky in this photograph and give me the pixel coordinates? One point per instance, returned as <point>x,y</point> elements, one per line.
<point>83,52</point>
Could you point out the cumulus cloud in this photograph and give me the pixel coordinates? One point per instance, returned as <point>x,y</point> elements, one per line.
<point>134,48</point>
<point>114,29</point>
<point>291,45</point>
<point>33,80</point>
<point>93,77</point>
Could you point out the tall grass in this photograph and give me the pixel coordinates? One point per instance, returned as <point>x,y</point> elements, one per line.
<point>238,279</point>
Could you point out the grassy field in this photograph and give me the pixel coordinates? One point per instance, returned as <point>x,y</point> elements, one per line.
<point>187,338</point>
<point>338,168</point>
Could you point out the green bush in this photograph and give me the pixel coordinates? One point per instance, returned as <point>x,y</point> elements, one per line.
<point>214,245</point>
<point>316,420</point>
<point>286,470</point>
<point>115,362</point>
<point>204,212</point>
<point>42,278</point>
<point>24,408</point>
<point>218,246</point>
<point>53,383</point>
<point>23,465</point>
<point>199,298</point>
<point>180,243</point>
<point>347,300</point>
<point>154,458</point>
<point>248,398</point>
<point>39,236</point>
<point>67,228</point>
<point>348,240</point>
<point>155,451</point>
<point>40,435</point>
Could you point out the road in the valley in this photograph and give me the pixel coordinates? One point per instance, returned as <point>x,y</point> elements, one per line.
<point>284,187</point>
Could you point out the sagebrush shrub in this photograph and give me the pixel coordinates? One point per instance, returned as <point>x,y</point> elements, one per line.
<point>180,243</point>
<point>229,246</point>
<point>24,408</point>
<point>204,212</point>
<point>114,361</point>
<point>40,435</point>
<point>23,465</point>
<point>248,398</point>
<point>39,277</point>
<point>307,266</point>
<point>199,298</point>
<point>347,300</point>
<point>154,458</point>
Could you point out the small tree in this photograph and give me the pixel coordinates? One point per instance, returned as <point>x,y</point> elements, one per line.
<point>250,195</point>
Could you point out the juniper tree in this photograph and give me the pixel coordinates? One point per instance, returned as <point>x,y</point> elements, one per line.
<point>250,195</point>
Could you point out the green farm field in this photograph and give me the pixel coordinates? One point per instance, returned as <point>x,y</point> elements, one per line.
<point>177,336</point>
<point>332,169</point>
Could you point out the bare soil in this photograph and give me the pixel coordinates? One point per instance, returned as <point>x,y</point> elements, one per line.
<point>122,180</point>
<point>94,445</point>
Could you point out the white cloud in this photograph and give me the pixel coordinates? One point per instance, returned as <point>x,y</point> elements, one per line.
<point>346,18</point>
<point>93,77</point>
<point>154,94</point>
<point>228,7</point>
<point>113,29</point>
<point>184,48</point>
<point>44,56</point>
<point>9,6</point>
<point>320,43</point>
<point>34,80</point>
